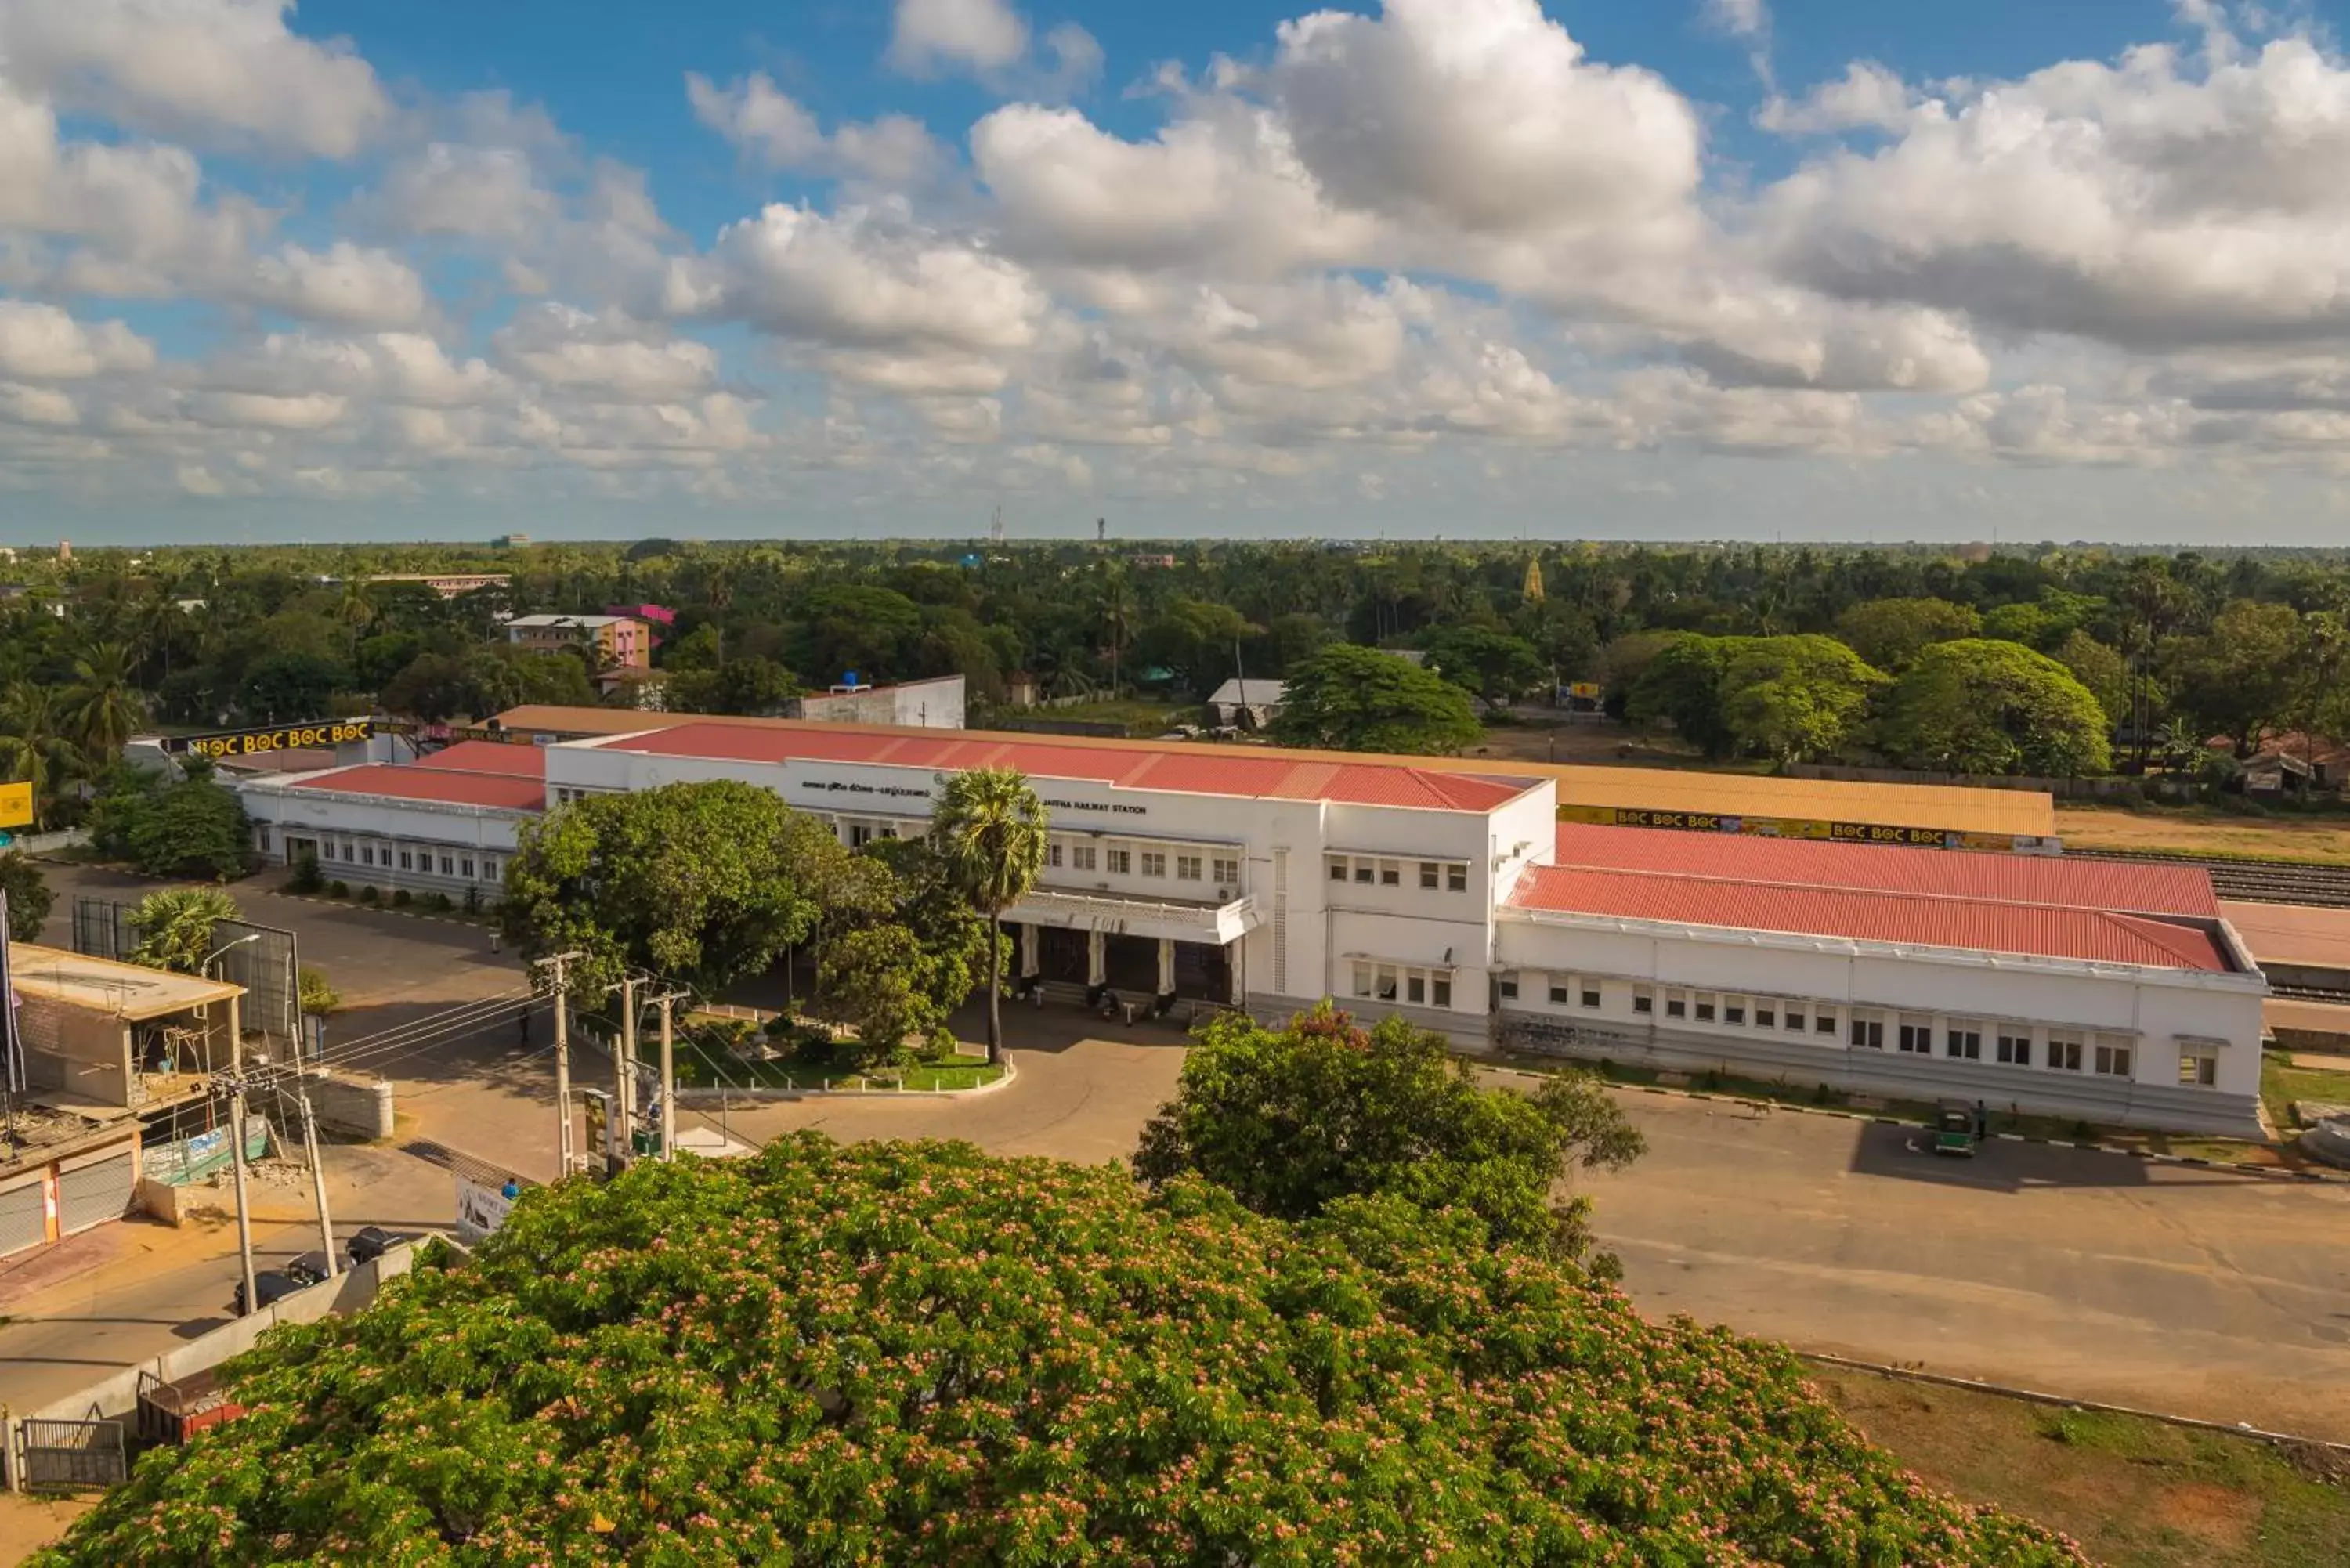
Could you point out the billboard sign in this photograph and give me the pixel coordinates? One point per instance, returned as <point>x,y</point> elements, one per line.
<point>274,738</point>
<point>17,805</point>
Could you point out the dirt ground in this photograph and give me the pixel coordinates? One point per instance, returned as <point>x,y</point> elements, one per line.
<point>2135,1493</point>
<point>2326,839</point>
<point>28,1523</point>
<point>1543,743</point>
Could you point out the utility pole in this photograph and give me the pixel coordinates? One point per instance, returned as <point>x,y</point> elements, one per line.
<point>624,1075</point>
<point>565,1153</point>
<point>236,1147</point>
<point>317,1170</point>
<point>666,1001</point>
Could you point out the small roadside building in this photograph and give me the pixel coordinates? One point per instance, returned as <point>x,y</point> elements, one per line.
<point>107,1047</point>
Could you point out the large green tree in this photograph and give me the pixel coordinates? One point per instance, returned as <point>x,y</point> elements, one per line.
<point>2240,678</point>
<point>102,706</point>
<point>1292,1120</point>
<point>900,949</point>
<point>1793,698</point>
<point>36,748</point>
<point>916,1354</point>
<point>190,827</point>
<point>1356,699</point>
<point>1890,633</point>
<point>989,828</point>
<point>701,883</point>
<point>1980,706</point>
<point>1487,662</point>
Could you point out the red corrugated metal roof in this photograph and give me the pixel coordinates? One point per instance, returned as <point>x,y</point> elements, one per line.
<point>2049,881</point>
<point>488,757</point>
<point>443,785</point>
<point>1186,771</point>
<point>1908,920</point>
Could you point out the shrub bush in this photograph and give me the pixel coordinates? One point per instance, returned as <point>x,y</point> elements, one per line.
<point>369,895</point>
<point>438,902</point>
<point>307,878</point>
<point>402,897</point>
<point>339,889</point>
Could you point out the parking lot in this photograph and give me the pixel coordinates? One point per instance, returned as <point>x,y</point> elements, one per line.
<point>2175,1288</point>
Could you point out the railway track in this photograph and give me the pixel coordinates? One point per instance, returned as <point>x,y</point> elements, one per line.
<point>2252,881</point>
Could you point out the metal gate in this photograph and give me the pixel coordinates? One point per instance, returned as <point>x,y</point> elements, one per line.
<point>101,928</point>
<point>70,1456</point>
<point>95,1192</point>
<point>24,1216</point>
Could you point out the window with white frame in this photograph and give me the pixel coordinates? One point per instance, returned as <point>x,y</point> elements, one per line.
<point>1677,1004</point>
<point>1187,867</point>
<point>465,867</point>
<point>1428,872</point>
<point>2112,1055</point>
<point>1590,993</point>
<point>2012,1045</point>
<point>1456,879</point>
<point>407,860</point>
<point>1733,1010</point>
<point>860,834</point>
<point>1121,862</point>
<point>1227,872</point>
<point>2064,1051</point>
<point>1644,999</point>
<point>1363,975</point>
<point>1867,1031</point>
<point>367,854</point>
<point>2198,1067</point>
<point>1560,989</point>
<point>261,839</point>
<point>1506,985</point>
<point>1705,1007</point>
<point>1766,1014</point>
<point>1916,1035</point>
<point>1052,855</point>
<point>1390,874</point>
<point>447,867</point>
<point>1084,857</point>
<point>1386,982</point>
<point>1154,863</point>
<point>1337,864</point>
<point>1796,1022</point>
<point>1365,872</point>
<point>489,871</point>
<point>1823,1020</point>
<point>1964,1039</point>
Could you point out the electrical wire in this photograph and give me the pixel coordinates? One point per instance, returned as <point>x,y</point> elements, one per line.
<point>480,1009</point>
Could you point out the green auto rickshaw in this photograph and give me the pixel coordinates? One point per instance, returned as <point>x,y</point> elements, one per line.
<point>1957,1129</point>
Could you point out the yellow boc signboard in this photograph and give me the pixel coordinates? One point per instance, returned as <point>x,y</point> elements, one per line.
<point>276,738</point>
<point>16,804</point>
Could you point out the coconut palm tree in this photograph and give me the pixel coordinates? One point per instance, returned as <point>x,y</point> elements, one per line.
<point>103,705</point>
<point>989,827</point>
<point>35,747</point>
<point>175,927</point>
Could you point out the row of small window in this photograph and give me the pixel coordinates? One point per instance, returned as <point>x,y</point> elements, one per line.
<point>1401,983</point>
<point>1373,871</point>
<point>422,861</point>
<point>1118,860</point>
<point>2011,1044</point>
<point>566,796</point>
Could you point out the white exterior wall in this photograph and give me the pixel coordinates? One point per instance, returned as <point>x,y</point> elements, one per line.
<point>483,835</point>
<point>2157,1014</point>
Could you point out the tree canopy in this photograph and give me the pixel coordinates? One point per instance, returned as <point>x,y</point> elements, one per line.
<point>705,883</point>
<point>190,827</point>
<point>1789,698</point>
<point>918,1354</point>
<point>1487,662</point>
<point>29,895</point>
<point>1292,1120</point>
<point>900,947</point>
<point>1359,699</point>
<point>988,827</point>
<point>1980,706</point>
<point>175,927</point>
<point>1890,633</point>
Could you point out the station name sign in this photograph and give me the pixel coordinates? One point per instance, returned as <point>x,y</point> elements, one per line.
<point>1782,827</point>
<point>275,738</point>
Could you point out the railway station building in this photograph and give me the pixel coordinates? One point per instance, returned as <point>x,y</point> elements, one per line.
<point>1466,899</point>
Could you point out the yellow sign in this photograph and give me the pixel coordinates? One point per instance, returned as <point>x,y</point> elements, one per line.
<point>16,804</point>
<point>1766,827</point>
<point>280,737</point>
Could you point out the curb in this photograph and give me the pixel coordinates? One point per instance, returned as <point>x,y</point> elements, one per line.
<point>2242,1167</point>
<point>767,1095</point>
<point>2036,1396</point>
<point>377,908</point>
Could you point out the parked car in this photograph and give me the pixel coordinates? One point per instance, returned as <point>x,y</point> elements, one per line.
<point>269,1286</point>
<point>374,1241</point>
<point>309,1268</point>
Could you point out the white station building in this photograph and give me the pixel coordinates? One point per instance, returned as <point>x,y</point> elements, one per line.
<point>1185,877</point>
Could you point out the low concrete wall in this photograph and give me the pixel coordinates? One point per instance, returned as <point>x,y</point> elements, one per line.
<point>358,1102</point>
<point>160,1201</point>
<point>116,1397</point>
<point>1889,1073</point>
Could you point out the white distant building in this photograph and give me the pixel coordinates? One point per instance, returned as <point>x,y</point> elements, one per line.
<point>1186,877</point>
<point>935,704</point>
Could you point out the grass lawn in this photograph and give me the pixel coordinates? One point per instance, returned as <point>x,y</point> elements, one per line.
<point>2282,1084</point>
<point>1137,717</point>
<point>2135,1493</point>
<point>2207,830</point>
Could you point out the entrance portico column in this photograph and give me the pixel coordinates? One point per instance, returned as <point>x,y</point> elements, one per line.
<point>1166,966</point>
<point>1096,957</point>
<point>1029,945</point>
<point>1233,953</point>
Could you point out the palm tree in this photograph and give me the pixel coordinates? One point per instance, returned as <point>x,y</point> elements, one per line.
<point>102,706</point>
<point>34,745</point>
<point>989,827</point>
<point>175,927</point>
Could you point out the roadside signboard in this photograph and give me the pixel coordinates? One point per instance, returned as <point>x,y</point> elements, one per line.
<point>479,1211</point>
<point>271,738</point>
<point>17,805</point>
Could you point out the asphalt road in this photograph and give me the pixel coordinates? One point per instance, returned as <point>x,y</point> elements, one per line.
<point>2091,1274</point>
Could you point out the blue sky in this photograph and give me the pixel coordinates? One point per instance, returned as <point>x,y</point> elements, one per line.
<point>1710,269</point>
